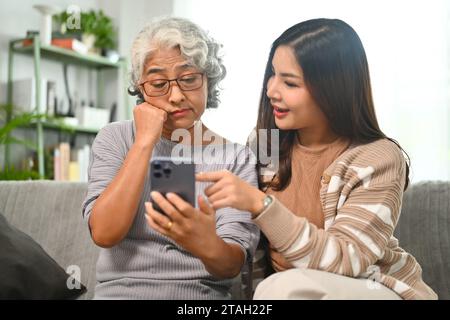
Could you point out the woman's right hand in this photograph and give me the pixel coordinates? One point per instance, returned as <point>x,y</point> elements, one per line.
<point>149,121</point>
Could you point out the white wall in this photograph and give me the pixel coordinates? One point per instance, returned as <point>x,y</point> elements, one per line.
<point>132,15</point>
<point>408,47</point>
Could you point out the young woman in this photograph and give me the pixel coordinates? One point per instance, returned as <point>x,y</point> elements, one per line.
<point>188,252</point>
<point>330,211</point>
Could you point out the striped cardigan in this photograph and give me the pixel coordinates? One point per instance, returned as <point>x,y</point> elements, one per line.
<point>361,195</point>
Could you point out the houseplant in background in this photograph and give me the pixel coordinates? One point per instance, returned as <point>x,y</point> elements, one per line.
<point>96,30</point>
<point>11,120</point>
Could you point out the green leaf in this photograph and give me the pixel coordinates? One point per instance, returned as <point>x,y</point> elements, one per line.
<point>18,121</point>
<point>13,140</point>
<point>9,173</point>
<point>15,120</point>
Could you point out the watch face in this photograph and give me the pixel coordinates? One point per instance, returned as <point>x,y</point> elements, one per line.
<point>267,201</point>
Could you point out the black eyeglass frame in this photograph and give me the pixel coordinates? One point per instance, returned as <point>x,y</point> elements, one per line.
<point>168,81</point>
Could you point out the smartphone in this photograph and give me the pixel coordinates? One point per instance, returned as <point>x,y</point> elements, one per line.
<point>176,175</point>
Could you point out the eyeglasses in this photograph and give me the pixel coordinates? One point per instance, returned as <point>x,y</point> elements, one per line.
<point>160,87</point>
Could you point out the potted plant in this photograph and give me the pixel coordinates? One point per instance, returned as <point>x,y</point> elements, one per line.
<point>96,30</point>
<point>10,121</point>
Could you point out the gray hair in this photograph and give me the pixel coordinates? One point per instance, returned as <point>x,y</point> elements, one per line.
<point>194,43</point>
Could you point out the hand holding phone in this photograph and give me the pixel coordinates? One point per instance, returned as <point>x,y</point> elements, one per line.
<point>176,175</point>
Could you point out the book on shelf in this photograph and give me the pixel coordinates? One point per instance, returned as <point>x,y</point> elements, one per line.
<point>64,154</point>
<point>74,171</point>
<point>70,165</point>
<point>67,43</point>
<point>83,160</point>
<point>72,44</point>
<point>56,165</point>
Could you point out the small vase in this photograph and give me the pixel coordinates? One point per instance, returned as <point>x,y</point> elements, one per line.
<point>88,39</point>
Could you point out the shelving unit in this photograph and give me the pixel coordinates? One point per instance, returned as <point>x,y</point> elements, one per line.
<point>64,56</point>
<point>58,127</point>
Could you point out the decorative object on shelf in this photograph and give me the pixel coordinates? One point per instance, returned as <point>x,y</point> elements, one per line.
<point>112,55</point>
<point>71,111</point>
<point>45,32</point>
<point>96,31</point>
<point>90,117</point>
<point>52,99</point>
<point>113,112</point>
<point>88,40</point>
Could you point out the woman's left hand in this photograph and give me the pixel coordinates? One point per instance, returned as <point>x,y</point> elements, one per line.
<point>229,190</point>
<point>193,229</point>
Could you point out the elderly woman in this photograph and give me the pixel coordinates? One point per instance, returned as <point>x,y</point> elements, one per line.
<point>188,252</point>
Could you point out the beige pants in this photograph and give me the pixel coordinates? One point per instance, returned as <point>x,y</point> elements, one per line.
<point>308,284</point>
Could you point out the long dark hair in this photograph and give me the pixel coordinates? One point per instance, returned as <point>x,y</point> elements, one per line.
<point>336,73</point>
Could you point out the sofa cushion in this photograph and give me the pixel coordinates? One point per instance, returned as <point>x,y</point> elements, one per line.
<point>28,272</point>
<point>424,231</point>
<point>50,213</point>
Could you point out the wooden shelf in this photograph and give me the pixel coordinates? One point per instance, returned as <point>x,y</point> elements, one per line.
<point>67,56</point>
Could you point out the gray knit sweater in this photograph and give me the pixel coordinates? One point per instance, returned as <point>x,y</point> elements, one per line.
<point>146,264</point>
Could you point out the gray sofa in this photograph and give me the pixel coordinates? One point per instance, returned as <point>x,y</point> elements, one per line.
<point>424,230</point>
<point>50,213</point>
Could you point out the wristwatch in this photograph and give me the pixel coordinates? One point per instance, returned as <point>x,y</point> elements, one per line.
<point>266,202</point>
